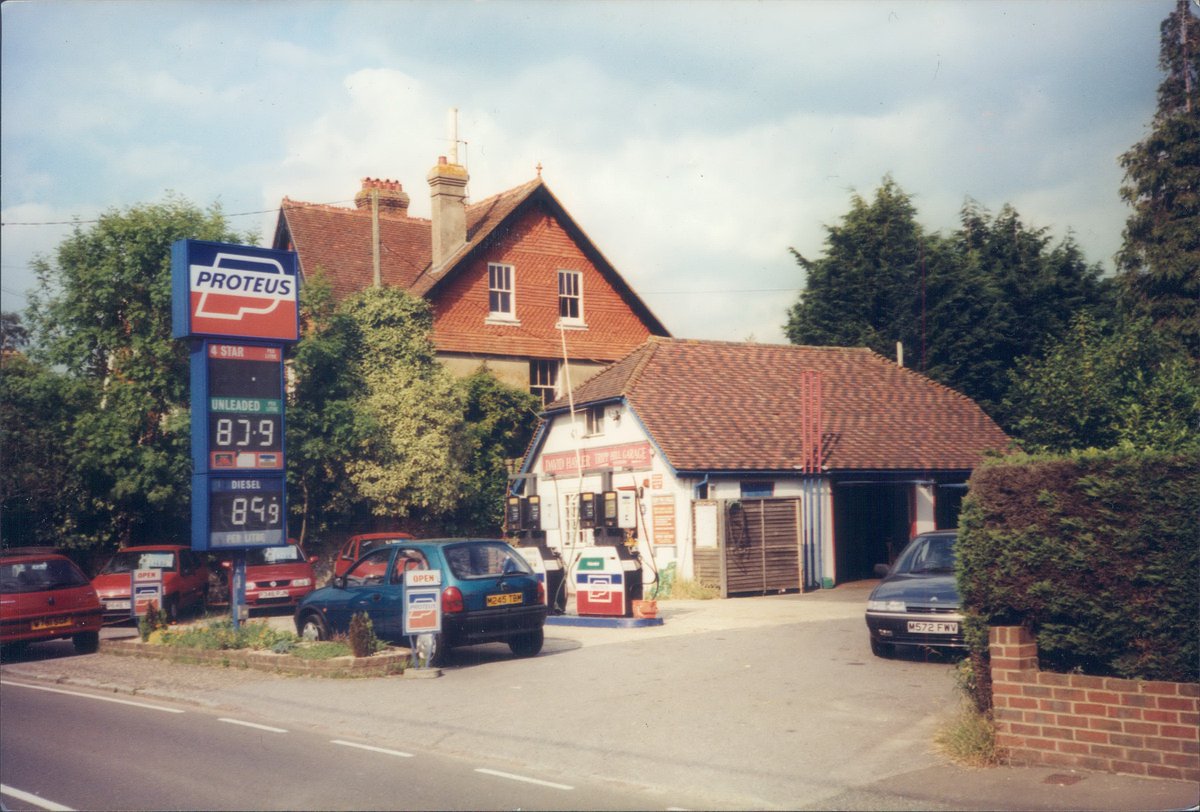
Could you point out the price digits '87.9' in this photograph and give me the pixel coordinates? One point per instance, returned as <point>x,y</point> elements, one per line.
<point>260,433</point>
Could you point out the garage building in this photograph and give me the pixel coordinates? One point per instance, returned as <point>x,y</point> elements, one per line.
<point>756,467</point>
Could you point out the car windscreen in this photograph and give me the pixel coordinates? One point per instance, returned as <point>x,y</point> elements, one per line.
<point>366,545</point>
<point>129,560</point>
<point>484,560</point>
<point>265,556</point>
<point>926,555</point>
<point>39,576</point>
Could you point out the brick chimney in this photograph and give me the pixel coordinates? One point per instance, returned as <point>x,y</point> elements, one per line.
<point>392,198</point>
<point>447,185</point>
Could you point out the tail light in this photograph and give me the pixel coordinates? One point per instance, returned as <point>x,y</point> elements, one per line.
<point>452,600</point>
<point>541,594</point>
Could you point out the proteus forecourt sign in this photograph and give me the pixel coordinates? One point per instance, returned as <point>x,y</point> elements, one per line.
<point>234,291</point>
<point>238,306</point>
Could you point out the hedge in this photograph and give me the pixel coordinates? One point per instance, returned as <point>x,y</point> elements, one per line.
<point>1097,553</point>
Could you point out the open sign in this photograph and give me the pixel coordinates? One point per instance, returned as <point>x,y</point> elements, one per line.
<point>423,578</point>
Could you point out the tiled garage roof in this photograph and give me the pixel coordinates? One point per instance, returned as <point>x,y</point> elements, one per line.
<point>717,406</point>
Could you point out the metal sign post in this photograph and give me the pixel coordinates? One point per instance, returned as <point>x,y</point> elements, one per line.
<point>237,588</point>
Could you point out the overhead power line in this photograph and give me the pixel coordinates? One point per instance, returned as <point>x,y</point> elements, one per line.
<point>97,219</point>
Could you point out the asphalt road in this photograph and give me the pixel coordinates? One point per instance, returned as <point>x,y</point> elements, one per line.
<point>758,703</point>
<point>719,708</point>
<point>76,749</point>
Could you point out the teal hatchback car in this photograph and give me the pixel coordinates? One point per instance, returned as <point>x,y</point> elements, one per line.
<point>488,594</point>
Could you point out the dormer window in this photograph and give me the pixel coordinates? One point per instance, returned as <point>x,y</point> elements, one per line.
<point>570,298</point>
<point>502,301</point>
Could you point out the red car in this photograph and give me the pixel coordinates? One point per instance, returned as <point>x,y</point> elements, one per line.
<point>358,546</point>
<point>185,579</point>
<point>278,576</point>
<point>44,596</point>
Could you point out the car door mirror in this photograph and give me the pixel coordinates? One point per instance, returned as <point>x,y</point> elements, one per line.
<point>882,570</point>
<point>339,581</point>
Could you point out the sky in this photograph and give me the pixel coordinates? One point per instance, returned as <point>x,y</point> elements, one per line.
<point>694,142</point>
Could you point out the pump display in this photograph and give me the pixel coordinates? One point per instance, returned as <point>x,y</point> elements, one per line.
<point>523,519</point>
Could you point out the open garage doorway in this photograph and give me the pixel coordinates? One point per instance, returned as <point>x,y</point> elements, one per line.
<point>871,526</point>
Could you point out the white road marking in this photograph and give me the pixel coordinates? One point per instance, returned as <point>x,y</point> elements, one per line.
<point>527,780</point>
<point>30,798</point>
<point>95,696</point>
<point>372,748</point>
<point>267,728</point>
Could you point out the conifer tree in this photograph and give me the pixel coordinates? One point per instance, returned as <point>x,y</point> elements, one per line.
<point>1159,262</point>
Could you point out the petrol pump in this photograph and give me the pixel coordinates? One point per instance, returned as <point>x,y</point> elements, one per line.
<point>608,574</point>
<point>523,520</point>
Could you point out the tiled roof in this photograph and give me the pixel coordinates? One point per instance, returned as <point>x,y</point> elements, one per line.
<point>337,240</point>
<point>719,406</point>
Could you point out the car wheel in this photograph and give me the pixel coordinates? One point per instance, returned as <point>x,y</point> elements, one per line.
<point>881,649</point>
<point>314,627</point>
<point>528,644</point>
<point>86,642</point>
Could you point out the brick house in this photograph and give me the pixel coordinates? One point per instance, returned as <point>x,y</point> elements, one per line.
<point>760,467</point>
<point>510,279</point>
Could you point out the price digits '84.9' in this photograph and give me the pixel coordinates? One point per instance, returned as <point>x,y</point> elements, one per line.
<point>257,511</point>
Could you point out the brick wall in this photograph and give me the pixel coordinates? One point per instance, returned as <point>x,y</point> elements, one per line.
<point>1094,723</point>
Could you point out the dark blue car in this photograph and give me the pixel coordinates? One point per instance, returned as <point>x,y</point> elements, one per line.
<point>488,594</point>
<point>917,604</point>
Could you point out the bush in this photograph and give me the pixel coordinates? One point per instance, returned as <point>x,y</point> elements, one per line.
<point>220,635</point>
<point>154,620</point>
<point>361,634</point>
<point>1095,553</point>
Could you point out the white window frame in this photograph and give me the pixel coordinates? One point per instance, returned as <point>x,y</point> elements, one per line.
<point>510,276</point>
<point>594,421</point>
<point>574,279</point>
<point>537,384</point>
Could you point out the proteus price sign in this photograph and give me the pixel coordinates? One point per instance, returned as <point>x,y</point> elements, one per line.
<point>245,512</point>
<point>245,407</point>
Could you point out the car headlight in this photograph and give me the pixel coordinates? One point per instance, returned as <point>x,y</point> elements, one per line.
<point>302,582</point>
<point>886,606</point>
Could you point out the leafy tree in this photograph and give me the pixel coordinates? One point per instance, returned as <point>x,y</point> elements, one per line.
<point>1105,385</point>
<point>412,459</point>
<point>499,425</point>
<point>996,293</point>
<point>324,431</point>
<point>862,292</point>
<point>1159,262</point>
<point>13,335</point>
<point>39,493</point>
<point>102,313</point>
<point>966,306</point>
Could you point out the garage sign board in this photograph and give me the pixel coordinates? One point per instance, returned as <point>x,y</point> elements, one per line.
<point>231,291</point>
<point>238,307</point>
